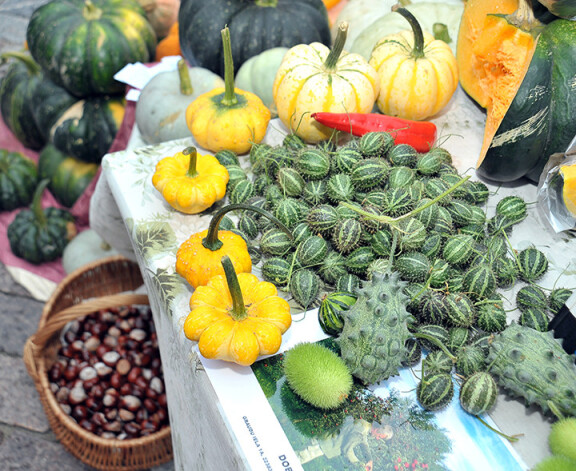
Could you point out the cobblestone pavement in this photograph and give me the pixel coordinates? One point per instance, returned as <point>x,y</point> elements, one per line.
<point>26,440</point>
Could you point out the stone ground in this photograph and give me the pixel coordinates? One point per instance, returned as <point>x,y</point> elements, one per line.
<point>26,440</point>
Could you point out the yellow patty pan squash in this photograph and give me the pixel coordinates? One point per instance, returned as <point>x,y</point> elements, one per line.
<point>199,258</point>
<point>313,78</point>
<point>237,317</point>
<point>417,74</point>
<point>190,182</point>
<point>228,118</point>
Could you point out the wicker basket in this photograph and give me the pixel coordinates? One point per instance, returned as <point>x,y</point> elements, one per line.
<point>101,284</point>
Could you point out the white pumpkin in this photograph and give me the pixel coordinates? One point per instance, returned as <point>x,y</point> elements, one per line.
<point>86,247</point>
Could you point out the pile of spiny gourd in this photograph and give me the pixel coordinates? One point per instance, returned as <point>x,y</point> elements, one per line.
<point>397,249</point>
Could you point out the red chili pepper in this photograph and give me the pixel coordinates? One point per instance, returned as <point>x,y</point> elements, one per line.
<point>419,134</point>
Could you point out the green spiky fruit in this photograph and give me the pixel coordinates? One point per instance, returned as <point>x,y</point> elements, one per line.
<point>375,330</point>
<point>534,366</point>
<point>478,393</point>
<point>318,375</point>
<point>555,463</point>
<point>562,438</point>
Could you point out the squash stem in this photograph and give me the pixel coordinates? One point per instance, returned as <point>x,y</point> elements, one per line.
<point>211,241</point>
<point>266,3</point>
<point>523,18</point>
<point>238,308</point>
<point>418,50</point>
<point>230,98</point>
<point>91,12</point>
<point>36,205</point>
<point>32,66</point>
<point>337,47</point>
<point>184,75</point>
<point>192,172</point>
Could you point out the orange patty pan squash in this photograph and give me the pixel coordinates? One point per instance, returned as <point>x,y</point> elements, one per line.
<point>237,317</point>
<point>228,118</point>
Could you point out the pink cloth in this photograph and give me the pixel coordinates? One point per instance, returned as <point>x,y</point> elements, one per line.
<point>54,271</point>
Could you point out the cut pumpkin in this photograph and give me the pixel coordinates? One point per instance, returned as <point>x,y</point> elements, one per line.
<point>494,52</point>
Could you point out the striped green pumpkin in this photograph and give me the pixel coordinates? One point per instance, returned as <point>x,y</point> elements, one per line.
<point>227,157</point>
<point>558,298</point>
<point>369,173</point>
<point>479,281</point>
<point>535,318</point>
<point>491,315</point>
<point>312,251</point>
<point>461,311</point>
<point>248,225</point>
<point>323,218</point>
<point>531,296</point>
<point>301,232</point>
<point>381,242</point>
<point>469,360</point>
<point>434,187</point>
<point>440,272</point>
<point>412,266</point>
<point>458,249</point>
<point>427,216</point>
<point>411,234</point>
<point>478,393</point>
<point>413,353</point>
<point>403,155</point>
<point>349,282</point>
<point>457,338</point>
<point>375,144</point>
<point>532,264</point>
<point>438,333</point>
<point>432,307</point>
<point>277,158</point>
<point>315,192</point>
<point>275,242</point>
<point>432,245</point>
<point>345,157</point>
<point>436,362</point>
<point>313,163</point>
<point>288,212</point>
<point>330,310</point>
<point>400,177</point>
<point>235,175</point>
<point>435,392</point>
<point>332,267</point>
<point>340,188</point>
<point>461,212</point>
<point>478,192</point>
<point>512,207</point>
<point>304,287</point>
<point>276,270</point>
<point>242,191</point>
<point>397,201</point>
<point>290,181</point>
<point>347,234</point>
<point>359,259</point>
<point>428,164</point>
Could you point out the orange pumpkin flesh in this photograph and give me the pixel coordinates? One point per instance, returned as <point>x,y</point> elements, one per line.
<point>495,47</point>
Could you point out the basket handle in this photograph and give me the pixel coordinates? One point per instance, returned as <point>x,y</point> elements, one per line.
<point>38,341</point>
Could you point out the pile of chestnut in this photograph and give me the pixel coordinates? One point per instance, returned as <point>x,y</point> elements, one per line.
<point>108,373</point>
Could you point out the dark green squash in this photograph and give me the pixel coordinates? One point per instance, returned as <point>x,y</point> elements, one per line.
<point>29,102</point>
<point>18,179</point>
<point>255,26</point>
<point>69,177</point>
<point>81,44</point>
<point>87,129</point>
<point>40,235</point>
<point>562,8</point>
<point>540,120</point>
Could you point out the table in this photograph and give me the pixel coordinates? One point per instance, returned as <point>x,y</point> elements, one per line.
<point>128,212</point>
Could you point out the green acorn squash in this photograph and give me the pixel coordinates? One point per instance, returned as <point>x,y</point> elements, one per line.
<point>255,26</point>
<point>30,103</point>
<point>81,44</point>
<point>40,235</point>
<point>87,129</point>
<point>18,179</point>
<point>68,176</point>
<point>541,116</point>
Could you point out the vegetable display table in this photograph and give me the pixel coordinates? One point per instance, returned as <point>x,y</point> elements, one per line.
<point>219,416</point>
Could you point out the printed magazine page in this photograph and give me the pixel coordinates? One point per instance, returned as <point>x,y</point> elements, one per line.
<point>380,427</point>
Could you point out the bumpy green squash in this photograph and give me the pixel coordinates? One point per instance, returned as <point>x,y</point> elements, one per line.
<point>69,177</point>
<point>540,120</point>
<point>88,128</point>
<point>81,44</point>
<point>18,178</point>
<point>30,103</point>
